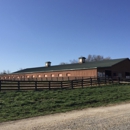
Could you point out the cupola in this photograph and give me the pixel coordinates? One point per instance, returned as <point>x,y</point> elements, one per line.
<point>82,59</point>
<point>48,64</point>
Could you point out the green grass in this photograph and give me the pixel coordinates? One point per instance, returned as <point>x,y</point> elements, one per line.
<point>22,104</point>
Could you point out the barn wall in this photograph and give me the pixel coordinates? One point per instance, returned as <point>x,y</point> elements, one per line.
<point>50,75</point>
<point>118,70</point>
<point>121,68</point>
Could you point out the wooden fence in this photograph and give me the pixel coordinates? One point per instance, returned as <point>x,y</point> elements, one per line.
<point>40,85</point>
<point>44,78</point>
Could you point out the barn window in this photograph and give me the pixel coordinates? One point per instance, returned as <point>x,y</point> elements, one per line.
<point>33,76</point>
<point>45,75</point>
<point>60,75</point>
<point>52,75</point>
<point>27,76</point>
<point>39,76</point>
<point>68,74</point>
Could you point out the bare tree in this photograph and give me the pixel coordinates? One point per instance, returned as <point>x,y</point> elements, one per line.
<point>63,63</point>
<point>92,58</point>
<point>89,58</point>
<point>5,72</point>
<point>73,61</point>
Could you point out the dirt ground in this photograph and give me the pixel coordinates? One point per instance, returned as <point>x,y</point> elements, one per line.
<point>115,117</point>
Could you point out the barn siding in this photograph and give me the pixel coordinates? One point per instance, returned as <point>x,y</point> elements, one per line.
<point>121,68</point>
<point>72,73</point>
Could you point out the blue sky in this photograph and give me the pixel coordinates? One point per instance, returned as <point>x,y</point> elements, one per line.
<point>35,31</point>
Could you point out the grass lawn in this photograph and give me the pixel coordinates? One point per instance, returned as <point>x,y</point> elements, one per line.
<point>22,104</point>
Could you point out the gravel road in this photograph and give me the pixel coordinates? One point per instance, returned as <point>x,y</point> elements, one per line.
<point>103,118</point>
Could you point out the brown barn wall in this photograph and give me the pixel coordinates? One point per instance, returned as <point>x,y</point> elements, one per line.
<point>72,73</point>
<point>121,68</point>
<point>103,69</point>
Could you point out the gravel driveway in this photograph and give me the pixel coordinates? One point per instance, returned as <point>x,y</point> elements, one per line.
<point>102,118</point>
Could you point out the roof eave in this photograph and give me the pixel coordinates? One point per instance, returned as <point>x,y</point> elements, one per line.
<point>55,70</point>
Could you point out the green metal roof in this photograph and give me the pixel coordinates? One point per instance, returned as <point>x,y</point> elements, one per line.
<point>77,66</point>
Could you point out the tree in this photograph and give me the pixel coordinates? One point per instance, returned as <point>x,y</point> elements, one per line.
<point>92,58</point>
<point>73,61</point>
<point>63,63</point>
<point>5,72</point>
<point>89,58</point>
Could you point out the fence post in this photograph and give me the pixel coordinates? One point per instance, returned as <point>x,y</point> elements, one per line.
<point>61,84</point>
<point>49,85</point>
<point>35,85</point>
<point>91,81</point>
<point>72,84</point>
<point>119,80</point>
<point>18,85</point>
<point>82,83</point>
<point>105,80</point>
<point>109,79</point>
<point>112,80</point>
<point>98,79</point>
<point>0,85</point>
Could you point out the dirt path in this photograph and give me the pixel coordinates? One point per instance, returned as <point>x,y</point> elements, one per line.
<point>103,118</point>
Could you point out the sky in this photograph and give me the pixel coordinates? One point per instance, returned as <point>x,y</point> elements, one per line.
<point>35,31</point>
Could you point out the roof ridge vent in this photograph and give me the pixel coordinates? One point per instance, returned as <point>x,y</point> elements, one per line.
<point>48,64</point>
<point>82,59</point>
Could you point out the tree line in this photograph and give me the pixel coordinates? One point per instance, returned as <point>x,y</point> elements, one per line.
<point>89,58</point>
<point>5,72</point>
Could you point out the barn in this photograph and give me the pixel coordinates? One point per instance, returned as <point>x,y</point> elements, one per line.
<point>105,68</point>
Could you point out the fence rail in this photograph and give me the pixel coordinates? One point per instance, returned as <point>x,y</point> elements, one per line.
<point>40,85</point>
